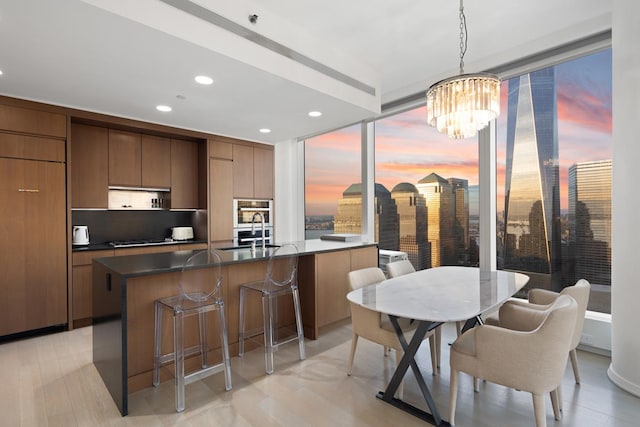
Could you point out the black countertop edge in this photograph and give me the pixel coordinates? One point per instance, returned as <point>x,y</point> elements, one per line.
<point>166,262</point>
<point>107,246</point>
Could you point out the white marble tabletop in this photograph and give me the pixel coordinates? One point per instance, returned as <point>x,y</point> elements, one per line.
<point>441,294</point>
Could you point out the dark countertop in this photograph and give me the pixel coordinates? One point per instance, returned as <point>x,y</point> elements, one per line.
<point>107,246</point>
<point>165,262</point>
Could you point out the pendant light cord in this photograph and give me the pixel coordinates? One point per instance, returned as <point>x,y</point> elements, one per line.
<point>463,37</point>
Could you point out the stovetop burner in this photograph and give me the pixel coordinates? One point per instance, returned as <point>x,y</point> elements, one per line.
<point>140,242</point>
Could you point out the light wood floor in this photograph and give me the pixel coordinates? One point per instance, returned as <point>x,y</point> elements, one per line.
<point>50,381</point>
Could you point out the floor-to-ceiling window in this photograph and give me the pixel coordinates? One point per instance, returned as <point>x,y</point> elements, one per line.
<point>554,176</point>
<point>333,202</point>
<point>426,192</point>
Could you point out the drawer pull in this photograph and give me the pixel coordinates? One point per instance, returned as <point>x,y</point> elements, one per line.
<point>28,190</point>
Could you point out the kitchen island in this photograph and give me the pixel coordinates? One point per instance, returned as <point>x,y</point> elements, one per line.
<point>125,288</point>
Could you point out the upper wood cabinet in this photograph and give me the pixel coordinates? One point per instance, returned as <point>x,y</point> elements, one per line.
<point>252,172</point>
<point>89,166</point>
<point>27,120</point>
<point>156,161</point>
<point>125,154</point>
<point>220,200</point>
<point>184,174</point>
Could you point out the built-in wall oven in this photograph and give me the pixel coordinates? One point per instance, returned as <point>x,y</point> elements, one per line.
<point>248,215</point>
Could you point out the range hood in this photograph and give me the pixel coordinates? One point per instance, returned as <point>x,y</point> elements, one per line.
<point>131,198</point>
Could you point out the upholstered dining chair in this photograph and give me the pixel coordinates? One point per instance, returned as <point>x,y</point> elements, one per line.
<point>541,298</point>
<point>400,268</point>
<point>528,353</point>
<point>377,327</point>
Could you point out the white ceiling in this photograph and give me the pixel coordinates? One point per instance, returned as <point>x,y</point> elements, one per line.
<point>124,57</point>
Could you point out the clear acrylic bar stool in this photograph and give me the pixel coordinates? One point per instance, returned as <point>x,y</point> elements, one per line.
<point>199,293</point>
<point>281,279</point>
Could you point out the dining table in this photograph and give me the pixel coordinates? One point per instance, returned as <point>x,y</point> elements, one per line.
<point>432,297</point>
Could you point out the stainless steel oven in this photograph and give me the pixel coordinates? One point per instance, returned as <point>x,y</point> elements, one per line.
<point>245,209</point>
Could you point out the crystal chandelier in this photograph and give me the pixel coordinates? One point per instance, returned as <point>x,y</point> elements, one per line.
<point>462,105</point>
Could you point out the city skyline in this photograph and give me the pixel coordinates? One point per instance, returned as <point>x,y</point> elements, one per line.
<point>407,149</point>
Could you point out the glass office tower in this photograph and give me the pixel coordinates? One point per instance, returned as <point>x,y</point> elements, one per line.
<point>440,219</point>
<point>532,200</point>
<point>460,190</point>
<point>590,221</point>
<point>348,219</point>
<point>412,211</point>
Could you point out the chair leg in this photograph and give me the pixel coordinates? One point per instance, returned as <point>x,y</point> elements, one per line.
<point>225,348</point>
<point>453,395</point>
<point>178,348</point>
<point>157,345</point>
<point>241,325</point>
<point>555,405</point>
<point>438,335</point>
<point>476,384</point>
<point>204,348</point>
<point>573,355</point>
<point>434,354</point>
<point>299,326</point>
<point>559,393</point>
<point>354,343</point>
<point>539,410</point>
<point>458,328</point>
<point>400,391</point>
<point>268,333</point>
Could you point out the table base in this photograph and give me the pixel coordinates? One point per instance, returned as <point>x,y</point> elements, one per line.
<point>416,412</point>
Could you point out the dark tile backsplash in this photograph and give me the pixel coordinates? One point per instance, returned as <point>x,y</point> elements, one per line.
<point>106,226</point>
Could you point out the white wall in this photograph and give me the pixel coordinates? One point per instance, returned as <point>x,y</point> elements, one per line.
<point>289,190</point>
<point>625,288</point>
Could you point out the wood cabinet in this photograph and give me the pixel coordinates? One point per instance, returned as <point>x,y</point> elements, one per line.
<point>252,172</point>
<point>125,154</point>
<point>220,200</point>
<point>31,147</point>
<point>27,120</point>
<point>82,293</point>
<point>33,285</point>
<point>184,174</point>
<point>332,283</point>
<point>156,161</point>
<point>89,166</point>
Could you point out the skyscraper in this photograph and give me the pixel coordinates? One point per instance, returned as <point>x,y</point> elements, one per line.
<point>460,190</point>
<point>440,219</point>
<point>412,211</point>
<point>532,199</point>
<point>590,221</point>
<point>348,219</point>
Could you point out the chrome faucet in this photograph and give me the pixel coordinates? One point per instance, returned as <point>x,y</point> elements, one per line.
<point>253,231</point>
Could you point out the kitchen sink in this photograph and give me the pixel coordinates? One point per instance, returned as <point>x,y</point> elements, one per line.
<point>232,248</point>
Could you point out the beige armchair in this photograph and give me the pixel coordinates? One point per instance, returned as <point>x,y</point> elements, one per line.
<point>528,353</point>
<point>541,298</point>
<point>377,327</point>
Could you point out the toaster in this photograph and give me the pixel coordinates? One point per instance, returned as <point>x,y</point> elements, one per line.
<point>182,233</point>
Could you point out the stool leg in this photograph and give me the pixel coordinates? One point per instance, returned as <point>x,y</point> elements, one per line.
<point>157,345</point>
<point>296,306</point>
<point>268,332</point>
<point>225,348</point>
<point>178,348</point>
<point>204,348</point>
<point>241,326</point>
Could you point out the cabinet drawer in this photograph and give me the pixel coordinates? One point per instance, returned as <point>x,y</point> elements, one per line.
<point>85,258</point>
<point>31,147</point>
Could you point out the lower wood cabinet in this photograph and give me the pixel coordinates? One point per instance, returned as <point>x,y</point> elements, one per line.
<point>82,283</point>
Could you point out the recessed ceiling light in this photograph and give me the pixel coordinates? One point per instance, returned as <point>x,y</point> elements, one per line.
<point>0,72</point>
<point>315,113</point>
<point>204,80</point>
<point>163,108</point>
<point>265,130</point>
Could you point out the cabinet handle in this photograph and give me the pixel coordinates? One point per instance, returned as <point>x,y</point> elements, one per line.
<point>108,282</point>
<point>28,190</point>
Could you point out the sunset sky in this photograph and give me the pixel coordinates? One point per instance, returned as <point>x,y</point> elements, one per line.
<point>407,149</point>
